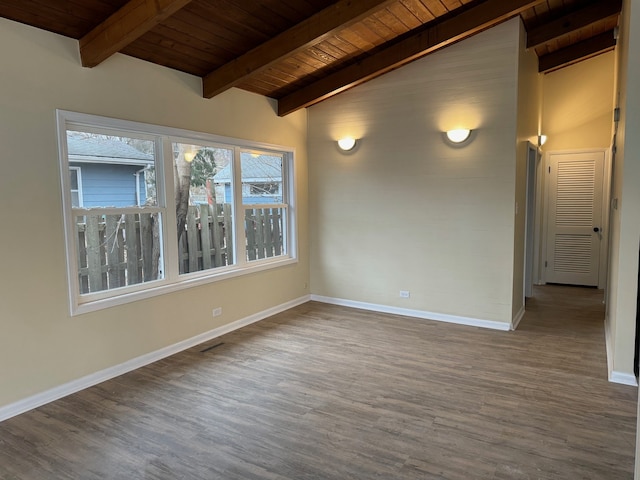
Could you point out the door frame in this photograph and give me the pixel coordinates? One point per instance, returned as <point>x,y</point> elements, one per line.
<point>606,202</point>
<point>531,219</point>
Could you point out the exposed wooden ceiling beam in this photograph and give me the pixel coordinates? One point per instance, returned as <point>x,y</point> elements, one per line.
<point>570,22</point>
<point>311,31</point>
<point>427,39</point>
<point>578,51</point>
<point>125,26</point>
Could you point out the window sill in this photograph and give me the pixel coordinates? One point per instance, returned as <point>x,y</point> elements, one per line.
<point>79,308</point>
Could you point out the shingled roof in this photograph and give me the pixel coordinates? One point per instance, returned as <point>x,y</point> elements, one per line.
<point>254,169</point>
<point>100,149</point>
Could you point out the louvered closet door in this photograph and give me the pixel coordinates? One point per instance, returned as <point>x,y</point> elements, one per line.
<point>574,221</point>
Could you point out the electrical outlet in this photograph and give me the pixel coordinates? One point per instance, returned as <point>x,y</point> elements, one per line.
<point>217,312</point>
<point>404,294</point>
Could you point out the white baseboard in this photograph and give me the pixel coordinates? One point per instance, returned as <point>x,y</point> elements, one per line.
<point>516,320</point>
<point>614,376</point>
<point>55,393</point>
<point>473,322</point>
<point>623,378</point>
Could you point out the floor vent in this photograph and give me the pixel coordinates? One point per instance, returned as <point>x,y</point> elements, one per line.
<point>211,347</point>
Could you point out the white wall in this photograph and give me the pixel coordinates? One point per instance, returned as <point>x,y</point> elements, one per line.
<point>41,346</point>
<point>405,211</point>
<point>577,108</point>
<point>528,117</point>
<point>625,219</point>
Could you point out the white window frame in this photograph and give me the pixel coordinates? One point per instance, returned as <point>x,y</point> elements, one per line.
<point>172,280</point>
<point>138,175</point>
<point>241,206</point>
<point>78,171</point>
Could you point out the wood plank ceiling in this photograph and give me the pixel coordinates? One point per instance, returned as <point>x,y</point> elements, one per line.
<point>301,52</point>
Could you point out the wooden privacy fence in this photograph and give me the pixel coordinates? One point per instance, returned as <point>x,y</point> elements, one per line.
<point>207,241</point>
<point>263,227</point>
<point>116,250</point>
<point>119,250</point>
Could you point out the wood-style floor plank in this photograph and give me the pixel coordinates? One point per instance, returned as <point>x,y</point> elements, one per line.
<point>328,392</point>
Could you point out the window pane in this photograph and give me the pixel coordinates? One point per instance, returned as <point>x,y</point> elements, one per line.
<point>204,197</point>
<point>261,178</point>
<point>118,250</point>
<point>75,199</point>
<point>111,169</point>
<point>73,174</point>
<point>264,229</point>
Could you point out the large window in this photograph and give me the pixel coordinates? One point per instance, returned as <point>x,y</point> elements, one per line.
<point>159,209</point>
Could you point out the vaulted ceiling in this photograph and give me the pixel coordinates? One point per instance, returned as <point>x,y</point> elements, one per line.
<point>301,52</point>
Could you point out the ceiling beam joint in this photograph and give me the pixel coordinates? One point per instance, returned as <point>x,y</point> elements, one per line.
<point>305,34</point>
<point>591,47</point>
<point>125,26</point>
<point>575,20</point>
<point>424,40</point>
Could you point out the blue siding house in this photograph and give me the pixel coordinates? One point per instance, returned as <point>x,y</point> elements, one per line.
<point>261,179</point>
<point>106,172</point>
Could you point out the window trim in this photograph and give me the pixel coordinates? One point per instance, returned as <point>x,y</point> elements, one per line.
<point>172,281</point>
<point>141,174</point>
<point>78,171</point>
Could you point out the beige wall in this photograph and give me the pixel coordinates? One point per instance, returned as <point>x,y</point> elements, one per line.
<point>529,105</point>
<point>578,104</point>
<point>405,211</point>
<point>41,346</point>
<point>625,219</point>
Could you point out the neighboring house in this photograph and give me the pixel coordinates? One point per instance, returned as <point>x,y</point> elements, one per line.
<point>261,180</point>
<point>106,172</point>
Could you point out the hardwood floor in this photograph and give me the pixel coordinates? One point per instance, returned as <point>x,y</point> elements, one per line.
<point>327,392</point>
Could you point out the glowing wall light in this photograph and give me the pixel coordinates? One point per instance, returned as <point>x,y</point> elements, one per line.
<point>346,143</point>
<point>458,135</point>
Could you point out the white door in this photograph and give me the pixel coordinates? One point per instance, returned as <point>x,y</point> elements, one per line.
<point>574,218</point>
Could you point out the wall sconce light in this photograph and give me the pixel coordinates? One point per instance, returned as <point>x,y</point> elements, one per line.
<point>346,144</point>
<point>542,139</point>
<point>458,135</point>
<point>189,156</point>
